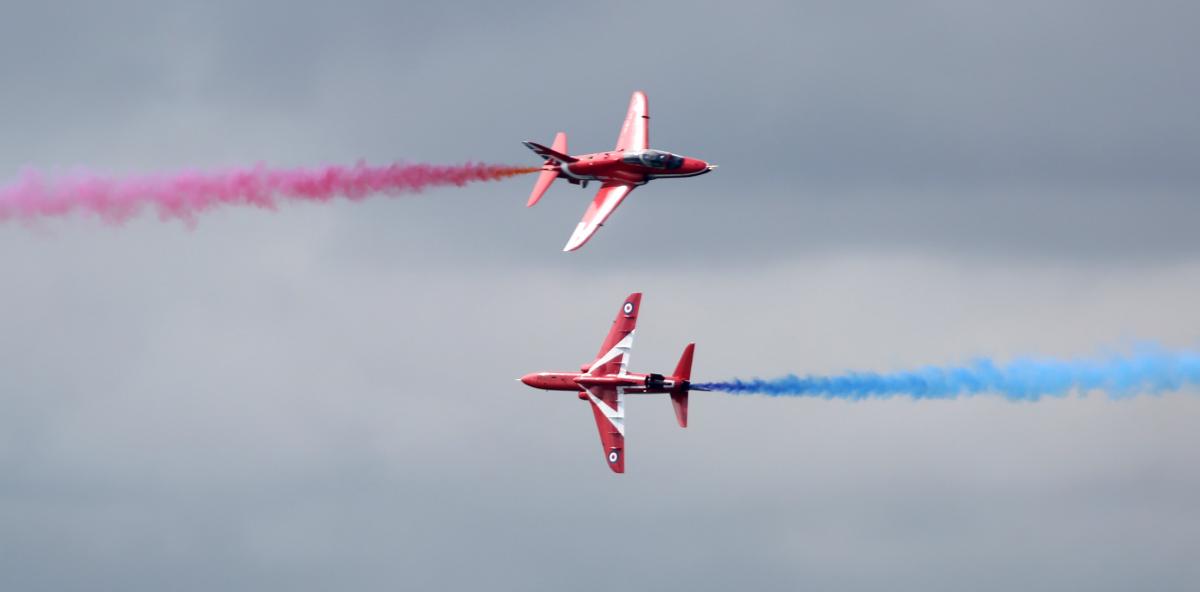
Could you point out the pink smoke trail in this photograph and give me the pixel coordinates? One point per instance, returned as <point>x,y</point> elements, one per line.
<point>183,195</point>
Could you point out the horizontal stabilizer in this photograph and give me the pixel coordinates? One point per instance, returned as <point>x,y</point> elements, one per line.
<point>550,169</point>
<point>679,401</point>
<point>545,179</point>
<point>549,153</point>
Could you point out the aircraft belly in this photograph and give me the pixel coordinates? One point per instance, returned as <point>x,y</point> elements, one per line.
<point>578,175</point>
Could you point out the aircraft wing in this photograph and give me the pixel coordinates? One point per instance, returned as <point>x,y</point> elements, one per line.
<point>614,352</point>
<point>608,407</point>
<point>607,199</point>
<point>608,402</point>
<point>635,132</point>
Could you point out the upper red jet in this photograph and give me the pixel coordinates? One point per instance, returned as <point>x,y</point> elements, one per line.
<point>606,380</point>
<point>628,165</point>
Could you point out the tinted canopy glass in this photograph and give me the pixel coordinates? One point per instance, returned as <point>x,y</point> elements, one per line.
<point>655,159</point>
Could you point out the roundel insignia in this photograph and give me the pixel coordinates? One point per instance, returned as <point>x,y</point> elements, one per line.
<point>612,456</point>
<point>628,308</point>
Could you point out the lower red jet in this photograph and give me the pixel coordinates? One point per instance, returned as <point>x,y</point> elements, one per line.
<point>605,381</point>
<point>630,164</point>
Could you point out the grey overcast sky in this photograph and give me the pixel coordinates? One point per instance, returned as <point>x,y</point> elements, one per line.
<point>321,398</point>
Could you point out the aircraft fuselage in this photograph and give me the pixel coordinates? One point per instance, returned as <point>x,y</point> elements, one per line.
<point>632,167</point>
<point>632,384</point>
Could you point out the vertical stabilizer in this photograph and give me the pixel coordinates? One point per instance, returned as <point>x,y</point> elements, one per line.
<point>560,143</point>
<point>683,372</point>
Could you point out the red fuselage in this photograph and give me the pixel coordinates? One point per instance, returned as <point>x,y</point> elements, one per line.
<point>632,167</point>
<point>632,384</point>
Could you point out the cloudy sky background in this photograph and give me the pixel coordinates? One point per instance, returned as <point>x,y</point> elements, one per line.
<point>322,397</point>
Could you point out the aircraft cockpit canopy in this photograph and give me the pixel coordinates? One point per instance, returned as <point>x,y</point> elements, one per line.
<point>655,159</point>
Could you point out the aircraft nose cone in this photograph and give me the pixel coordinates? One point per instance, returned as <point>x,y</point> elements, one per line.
<point>530,379</point>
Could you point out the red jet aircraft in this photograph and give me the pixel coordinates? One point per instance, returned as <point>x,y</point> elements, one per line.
<point>628,165</point>
<point>605,381</point>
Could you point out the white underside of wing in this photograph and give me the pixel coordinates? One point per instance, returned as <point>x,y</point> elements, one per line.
<point>615,416</point>
<point>578,237</point>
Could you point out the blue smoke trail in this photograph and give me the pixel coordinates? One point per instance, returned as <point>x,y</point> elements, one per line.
<point>1149,370</point>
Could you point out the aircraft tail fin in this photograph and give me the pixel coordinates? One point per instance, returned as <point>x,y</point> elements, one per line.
<point>557,153</point>
<point>683,372</point>
<point>554,156</point>
<point>560,144</point>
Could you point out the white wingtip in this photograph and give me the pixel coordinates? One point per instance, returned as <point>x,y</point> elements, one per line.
<point>577,239</point>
